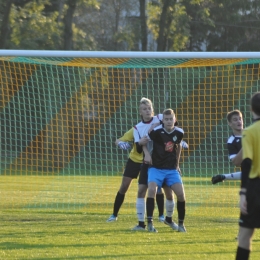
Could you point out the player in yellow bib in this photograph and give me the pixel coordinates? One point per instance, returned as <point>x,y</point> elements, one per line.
<point>250,183</point>
<point>132,170</point>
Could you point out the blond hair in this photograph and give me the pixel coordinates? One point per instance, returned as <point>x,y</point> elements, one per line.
<point>147,102</point>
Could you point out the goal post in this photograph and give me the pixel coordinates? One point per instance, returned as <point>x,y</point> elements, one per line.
<point>61,112</point>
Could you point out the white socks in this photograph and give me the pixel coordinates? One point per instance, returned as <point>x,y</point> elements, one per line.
<point>140,209</point>
<point>169,208</point>
<point>233,176</point>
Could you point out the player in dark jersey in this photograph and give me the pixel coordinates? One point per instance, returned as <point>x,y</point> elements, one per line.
<point>234,145</point>
<point>141,131</point>
<point>164,169</point>
<point>250,183</point>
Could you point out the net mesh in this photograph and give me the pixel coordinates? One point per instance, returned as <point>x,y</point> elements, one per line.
<point>60,118</point>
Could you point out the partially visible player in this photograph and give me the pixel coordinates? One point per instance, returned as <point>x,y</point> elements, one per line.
<point>250,183</point>
<point>235,121</point>
<point>141,131</point>
<point>164,169</point>
<point>132,170</point>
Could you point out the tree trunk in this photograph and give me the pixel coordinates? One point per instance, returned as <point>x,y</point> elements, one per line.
<point>68,34</point>
<point>5,24</point>
<point>143,25</point>
<point>163,25</point>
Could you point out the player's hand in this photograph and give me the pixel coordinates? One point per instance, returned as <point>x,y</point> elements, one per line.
<point>147,159</point>
<point>153,126</point>
<point>184,144</point>
<point>243,204</point>
<point>124,145</point>
<point>144,140</point>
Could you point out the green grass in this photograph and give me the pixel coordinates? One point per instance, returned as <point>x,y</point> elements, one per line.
<point>58,217</point>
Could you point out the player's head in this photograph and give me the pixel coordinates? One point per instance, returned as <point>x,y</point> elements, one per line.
<point>235,120</point>
<point>169,119</point>
<point>255,104</point>
<point>146,109</point>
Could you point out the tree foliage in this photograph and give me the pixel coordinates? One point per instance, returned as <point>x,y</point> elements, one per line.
<point>33,29</point>
<point>162,25</point>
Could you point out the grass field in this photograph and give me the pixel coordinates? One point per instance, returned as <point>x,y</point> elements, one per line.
<point>64,217</point>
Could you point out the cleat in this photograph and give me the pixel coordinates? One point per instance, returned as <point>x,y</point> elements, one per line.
<point>112,218</point>
<point>138,228</point>
<point>173,225</point>
<point>161,218</point>
<point>182,229</point>
<point>151,228</point>
<point>218,178</point>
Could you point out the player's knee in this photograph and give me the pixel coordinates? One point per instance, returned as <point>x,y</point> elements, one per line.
<point>180,197</point>
<point>123,189</point>
<point>169,196</point>
<point>151,192</point>
<point>141,191</point>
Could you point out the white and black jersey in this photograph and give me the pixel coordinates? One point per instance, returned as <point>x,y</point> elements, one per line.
<point>234,145</point>
<point>165,146</point>
<point>142,128</point>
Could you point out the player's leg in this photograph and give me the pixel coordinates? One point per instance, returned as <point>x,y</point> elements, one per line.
<point>229,176</point>
<point>140,207</point>
<point>248,222</point>
<point>244,243</point>
<point>169,207</point>
<point>155,179</point>
<point>181,205</point>
<point>150,204</point>
<point>160,204</point>
<point>131,172</point>
<point>141,194</point>
<point>140,200</point>
<point>173,179</point>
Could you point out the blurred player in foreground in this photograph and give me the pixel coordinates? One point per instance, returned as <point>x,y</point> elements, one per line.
<point>250,183</point>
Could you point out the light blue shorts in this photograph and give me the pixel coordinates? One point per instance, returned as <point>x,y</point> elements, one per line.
<point>166,176</point>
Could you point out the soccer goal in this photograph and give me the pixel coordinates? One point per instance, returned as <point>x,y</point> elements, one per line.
<point>61,112</point>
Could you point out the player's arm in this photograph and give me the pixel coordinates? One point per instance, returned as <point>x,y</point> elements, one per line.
<point>139,141</point>
<point>247,144</point>
<point>237,160</point>
<point>122,142</point>
<point>178,155</point>
<point>153,126</point>
<point>147,156</point>
<point>245,169</point>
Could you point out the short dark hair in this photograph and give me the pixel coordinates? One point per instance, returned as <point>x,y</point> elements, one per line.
<point>235,112</point>
<point>255,103</point>
<point>168,111</point>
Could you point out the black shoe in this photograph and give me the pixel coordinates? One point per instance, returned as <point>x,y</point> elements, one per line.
<point>218,178</point>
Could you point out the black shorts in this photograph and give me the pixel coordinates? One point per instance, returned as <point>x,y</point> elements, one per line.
<point>143,177</point>
<point>132,169</point>
<point>252,219</point>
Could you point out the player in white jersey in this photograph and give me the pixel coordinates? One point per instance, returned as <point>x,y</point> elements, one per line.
<point>141,131</point>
